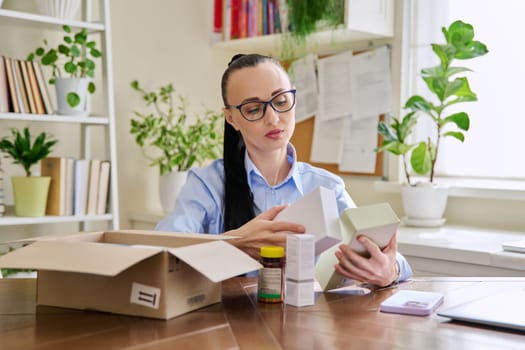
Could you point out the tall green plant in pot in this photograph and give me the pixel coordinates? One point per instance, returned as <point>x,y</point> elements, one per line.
<point>30,192</point>
<point>449,87</point>
<point>170,142</point>
<point>73,68</point>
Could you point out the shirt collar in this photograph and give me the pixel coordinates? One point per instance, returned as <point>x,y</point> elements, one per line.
<point>251,169</point>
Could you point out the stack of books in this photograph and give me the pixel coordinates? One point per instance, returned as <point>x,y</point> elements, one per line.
<point>78,186</point>
<point>236,19</point>
<point>23,88</point>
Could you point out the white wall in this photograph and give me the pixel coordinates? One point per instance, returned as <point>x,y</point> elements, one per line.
<point>158,42</point>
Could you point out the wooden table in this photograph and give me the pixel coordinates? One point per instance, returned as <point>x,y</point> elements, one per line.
<point>342,321</point>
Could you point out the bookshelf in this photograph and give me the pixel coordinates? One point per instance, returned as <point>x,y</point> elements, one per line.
<point>367,22</point>
<point>95,17</point>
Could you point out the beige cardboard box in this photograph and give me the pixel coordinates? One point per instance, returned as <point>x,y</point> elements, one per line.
<point>378,222</point>
<point>318,213</point>
<point>141,273</point>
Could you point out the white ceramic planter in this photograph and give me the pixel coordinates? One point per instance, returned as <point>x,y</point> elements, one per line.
<point>59,8</point>
<point>66,85</point>
<point>424,205</point>
<point>169,188</point>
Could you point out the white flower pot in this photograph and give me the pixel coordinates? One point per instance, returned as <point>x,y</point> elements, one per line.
<point>424,205</point>
<point>66,85</point>
<point>59,8</point>
<point>169,188</point>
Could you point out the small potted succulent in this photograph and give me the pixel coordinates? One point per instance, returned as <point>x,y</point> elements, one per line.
<point>73,67</point>
<point>169,142</point>
<point>450,90</point>
<point>30,192</point>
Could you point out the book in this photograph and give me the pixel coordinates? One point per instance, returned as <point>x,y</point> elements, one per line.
<point>55,167</point>
<point>12,86</point>
<point>15,107</point>
<point>226,20</point>
<point>103,187</point>
<point>216,32</point>
<point>94,177</point>
<point>70,182</point>
<point>81,183</point>
<point>35,88</point>
<point>43,87</point>
<point>4,87</point>
<point>236,7</point>
<point>20,87</point>
<point>27,87</point>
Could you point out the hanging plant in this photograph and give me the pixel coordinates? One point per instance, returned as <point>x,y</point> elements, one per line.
<point>306,17</point>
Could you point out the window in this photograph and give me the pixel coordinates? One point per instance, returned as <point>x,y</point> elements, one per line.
<point>492,147</point>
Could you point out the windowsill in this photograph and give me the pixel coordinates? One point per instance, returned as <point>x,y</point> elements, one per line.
<point>462,244</point>
<point>469,188</point>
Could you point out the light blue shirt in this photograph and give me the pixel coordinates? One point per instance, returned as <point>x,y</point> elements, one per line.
<point>199,207</point>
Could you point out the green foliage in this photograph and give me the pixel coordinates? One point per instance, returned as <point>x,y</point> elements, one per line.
<point>449,90</point>
<point>74,57</point>
<point>306,17</point>
<point>8,272</point>
<point>19,147</point>
<point>165,137</point>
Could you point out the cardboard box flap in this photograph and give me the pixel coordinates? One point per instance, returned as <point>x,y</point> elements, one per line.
<point>216,260</point>
<point>84,257</point>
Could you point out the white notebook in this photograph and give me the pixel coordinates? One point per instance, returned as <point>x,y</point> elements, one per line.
<point>515,246</point>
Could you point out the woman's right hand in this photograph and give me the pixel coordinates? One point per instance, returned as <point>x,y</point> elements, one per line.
<point>263,231</point>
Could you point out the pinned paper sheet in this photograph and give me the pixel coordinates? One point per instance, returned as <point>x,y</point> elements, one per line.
<point>302,74</point>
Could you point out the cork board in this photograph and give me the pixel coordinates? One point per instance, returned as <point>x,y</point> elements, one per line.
<point>302,140</point>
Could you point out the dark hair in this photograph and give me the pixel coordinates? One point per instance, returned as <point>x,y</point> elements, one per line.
<point>238,199</point>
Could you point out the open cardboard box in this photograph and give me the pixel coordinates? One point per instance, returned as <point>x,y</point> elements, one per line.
<point>141,273</point>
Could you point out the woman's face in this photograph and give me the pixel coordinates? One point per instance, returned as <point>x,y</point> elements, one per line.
<point>260,83</point>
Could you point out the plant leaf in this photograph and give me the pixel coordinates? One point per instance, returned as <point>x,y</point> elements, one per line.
<point>421,159</point>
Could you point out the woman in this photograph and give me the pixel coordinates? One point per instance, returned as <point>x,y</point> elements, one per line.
<point>259,175</point>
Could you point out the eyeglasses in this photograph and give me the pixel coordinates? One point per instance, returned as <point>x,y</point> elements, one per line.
<point>253,111</point>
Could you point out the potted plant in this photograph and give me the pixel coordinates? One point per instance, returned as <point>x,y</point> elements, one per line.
<point>73,67</point>
<point>30,192</point>
<point>305,17</point>
<point>450,90</point>
<point>169,142</point>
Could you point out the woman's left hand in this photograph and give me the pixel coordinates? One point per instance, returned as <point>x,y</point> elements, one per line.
<point>380,268</point>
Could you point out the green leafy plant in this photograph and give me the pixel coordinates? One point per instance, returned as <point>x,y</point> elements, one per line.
<point>74,57</point>
<point>306,17</point>
<point>10,272</point>
<point>165,137</point>
<point>449,89</point>
<point>20,147</point>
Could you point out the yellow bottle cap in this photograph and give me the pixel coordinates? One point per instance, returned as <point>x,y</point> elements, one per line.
<point>272,252</point>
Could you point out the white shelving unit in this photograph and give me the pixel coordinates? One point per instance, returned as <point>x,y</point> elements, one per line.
<point>367,23</point>
<point>107,120</point>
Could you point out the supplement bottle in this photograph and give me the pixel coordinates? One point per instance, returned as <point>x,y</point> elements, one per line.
<point>270,286</point>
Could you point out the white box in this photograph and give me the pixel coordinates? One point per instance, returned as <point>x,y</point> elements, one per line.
<point>378,222</point>
<point>299,293</point>
<point>318,213</point>
<point>300,257</point>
